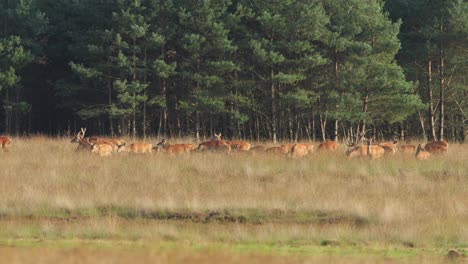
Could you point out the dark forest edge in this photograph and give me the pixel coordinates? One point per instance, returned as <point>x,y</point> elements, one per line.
<point>285,70</point>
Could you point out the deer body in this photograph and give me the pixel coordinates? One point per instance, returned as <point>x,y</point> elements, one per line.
<point>176,148</point>
<point>103,150</point>
<point>275,150</point>
<point>369,150</point>
<point>422,154</point>
<point>5,142</point>
<point>141,148</point>
<point>239,145</point>
<point>436,147</point>
<point>390,148</point>
<point>301,149</point>
<point>328,145</point>
<point>407,148</point>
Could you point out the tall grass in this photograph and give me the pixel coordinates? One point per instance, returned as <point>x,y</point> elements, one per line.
<point>49,190</point>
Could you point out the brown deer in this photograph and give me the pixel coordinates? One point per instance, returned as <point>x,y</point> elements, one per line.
<point>436,147</point>
<point>301,149</point>
<point>116,143</point>
<point>328,145</point>
<point>83,143</point>
<point>174,149</point>
<point>140,148</point>
<point>286,148</point>
<point>239,145</point>
<point>259,148</point>
<point>103,149</point>
<point>276,150</point>
<point>422,154</point>
<point>390,148</point>
<point>5,142</point>
<point>215,144</point>
<point>407,148</point>
<point>363,151</point>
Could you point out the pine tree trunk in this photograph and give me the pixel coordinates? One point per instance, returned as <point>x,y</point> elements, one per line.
<point>273,107</point>
<point>442,94</point>
<point>421,122</point>
<point>109,101</point>
<point>17,111</point>
<point>336,130</point>
<point>431,100</point>
<point>365,103</point>
<point>323,126</point>
<point>7,111</point>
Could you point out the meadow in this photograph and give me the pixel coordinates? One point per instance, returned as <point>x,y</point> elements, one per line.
<point>58,204</point>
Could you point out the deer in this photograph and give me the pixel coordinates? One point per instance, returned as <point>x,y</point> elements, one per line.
<point>390,148</point>
<point>276,150</point>
<point>407,148</point>
<point>422,154</point>
<point>103,149</point>
<point>83,143</point>
<point>236,145</point>
<point>286,148</point>
<point>5,142</point>
<point>328,145</point>
<point>140,148</point>
<point>239,145</point>
<point>116,143</point>
<point>283,149</point>
<point>259,148</point>
<point>370,151</point>
<point>301,149</point>
<point>436,147</point>
<point>215,144</point>
<point>174,149</point>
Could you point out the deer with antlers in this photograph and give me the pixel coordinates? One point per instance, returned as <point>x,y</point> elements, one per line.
<point>87,143</point>
<point>357,149</point>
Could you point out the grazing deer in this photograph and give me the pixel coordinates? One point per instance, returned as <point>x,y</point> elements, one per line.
<point>216,144</point>
<point>436,147</point>
<point>175,149</point>
<point>328,145</point>
<point>5,142</point>
<point>85,143</point>
<point>407,148</point>
<point>259,148</point>
<point>103,150</point>
<point>276,150</point>
<point>422,154</point>
<point>301,149</point>
<point>286,148</point>
<point>117,144</point>
<point>369,150</point>
<point>140,148</point>
<point>239,145</point>
<point>390,148</point>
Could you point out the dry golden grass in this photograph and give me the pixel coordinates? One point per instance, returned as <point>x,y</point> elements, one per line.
<point>50,192</point>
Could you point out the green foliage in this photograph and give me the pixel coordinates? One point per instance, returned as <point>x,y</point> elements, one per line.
<point>246,67</point>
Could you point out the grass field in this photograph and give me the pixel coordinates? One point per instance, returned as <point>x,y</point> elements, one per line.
<point>58,205</point>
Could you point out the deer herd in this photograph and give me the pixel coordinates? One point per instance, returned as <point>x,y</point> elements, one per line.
<point>362,148</point>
